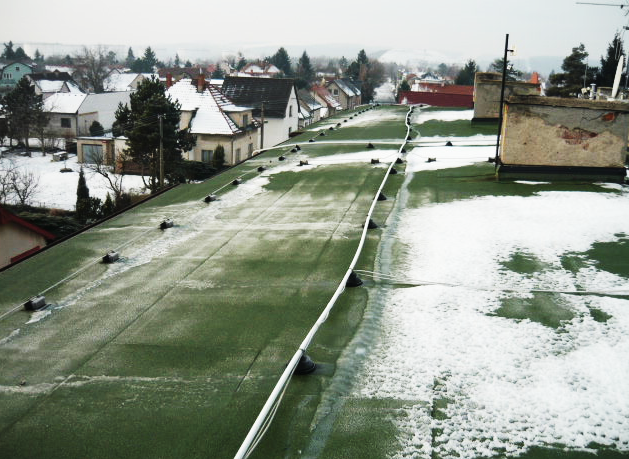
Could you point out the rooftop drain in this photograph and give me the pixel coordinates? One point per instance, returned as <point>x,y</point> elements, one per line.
<point>322,134</point>
<point>311,140</point>
<point>237,182</point>
<point>305,365</point>
<point>36,303</point>
<point>393,171</point>
<point>210,198</point>
<point>375,161</point>
<point>408,137</point>
<point>261,169</point>
<point>338,124</point>
<point>448,144</point>
<point>297,147</point>
<point>345,121</point>
<point>168,223</point>
<point>370,145</point>
<point>353,280</point>
<point>110,257</point>
<point>403,150</point>
<point>303,163</point>
<point>431,160</point>
<point>382,196</point>
<point>372,224</point>
<point>281,158</point>
<point>399,161</point>
<point>294,150</point>
<point>331,128</point>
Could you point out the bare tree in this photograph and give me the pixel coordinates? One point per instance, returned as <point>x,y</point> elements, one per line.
<point>24,185</point>
<point>101,167</point>
<point>93,67</point>
<point>7,168</point>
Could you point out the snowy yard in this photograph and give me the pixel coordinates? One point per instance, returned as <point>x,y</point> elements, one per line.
<point>58,189</point>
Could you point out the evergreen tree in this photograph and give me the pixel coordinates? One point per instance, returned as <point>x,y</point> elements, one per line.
<point>343,63</point>
<point>68,60</point>
<point>218,73</point>
<point>9,52</point>
<point>404,86</point>
<point>139,123</point>
<point>112,59</point>
<point>177,61</point>
<point>39,58</point>
<point>130,58</point>
<point>282,61</point>
<point>512,74</point>
<point>218,160</point>
<point>96,129</point>
<point>108,206</point>
<point>362,57</point>
<point>609,63</point>
<point>82,198</point>
<point>305,72</point>
<point>467,73</point>
<point>241,63</point>
<point>24,111</point>
<point>20,55</point>
<point>571,80</point>
<point>188,64</point>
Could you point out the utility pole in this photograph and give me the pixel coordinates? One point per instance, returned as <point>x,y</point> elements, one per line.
<point>161,151</point>
<point>262,129</point>
<point>502,98</point>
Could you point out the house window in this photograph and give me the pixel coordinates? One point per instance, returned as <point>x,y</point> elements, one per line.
<point>17,69</point>
<point>66,123</point>
<point>250,150</point>
<point>206,155</point>
<point>237,155</point>
<point>245,120</point>
<point>335,92</point>
<point>290,129</point>
<point>290,110</point>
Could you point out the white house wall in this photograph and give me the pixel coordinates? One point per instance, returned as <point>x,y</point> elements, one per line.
<point>276,130</point>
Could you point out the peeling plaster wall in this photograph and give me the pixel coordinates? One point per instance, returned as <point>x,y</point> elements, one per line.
<point>544,131</point>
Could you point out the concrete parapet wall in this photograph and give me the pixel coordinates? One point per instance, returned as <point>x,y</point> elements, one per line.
<point>487,93</point>
<point>549,131</point>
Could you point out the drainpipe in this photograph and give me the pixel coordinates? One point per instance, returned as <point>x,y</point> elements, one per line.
<point>502,98</point>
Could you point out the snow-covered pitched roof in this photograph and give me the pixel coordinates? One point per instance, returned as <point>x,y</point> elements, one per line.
<point>329,98</point>
<point>64,102</point>
<point>308,100</point>
<point>119,81</point>
<point>347,88</point>
<point>210,117</point>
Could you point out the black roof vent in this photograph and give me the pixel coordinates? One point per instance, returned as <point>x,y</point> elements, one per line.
<point>375,161</point>
<point>210,198</point>
<point>110,257</point>
<point>36,303</point>
<point>370,145</point>
<point>168,223</point>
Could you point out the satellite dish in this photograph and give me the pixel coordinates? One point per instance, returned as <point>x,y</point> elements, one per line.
<point>621,62</point>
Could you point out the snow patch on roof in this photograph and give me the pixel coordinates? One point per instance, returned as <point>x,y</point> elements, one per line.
<point>64,102</point>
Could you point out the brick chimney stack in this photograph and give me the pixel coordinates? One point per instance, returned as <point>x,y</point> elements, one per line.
<point>200,81</point>
<point>169,80</point>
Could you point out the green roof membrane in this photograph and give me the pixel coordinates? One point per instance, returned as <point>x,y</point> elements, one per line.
<point>172,350</point>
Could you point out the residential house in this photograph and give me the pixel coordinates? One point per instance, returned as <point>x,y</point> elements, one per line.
<point>19,238</point>
<point>11,73</point>
<point>273,99</point>
<point>309,108</point>
<point>117,81</point>
<point>260,69</point>
<point>178,73</point>
<point>329,105</point>
<point>63,114</point>
<point>48,83</point>
<point>345,92</point>
<point>102,108</point>
<point>215,120</point>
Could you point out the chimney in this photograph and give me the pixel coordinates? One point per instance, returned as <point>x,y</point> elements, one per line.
<point>169,80</point>
<point>200,81</point>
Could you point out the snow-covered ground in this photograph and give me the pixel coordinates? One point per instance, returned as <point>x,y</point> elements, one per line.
<point>510,384</point>
<point>58,189</point>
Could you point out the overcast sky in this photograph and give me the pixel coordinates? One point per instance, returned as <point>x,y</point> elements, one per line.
<point>459,29</point>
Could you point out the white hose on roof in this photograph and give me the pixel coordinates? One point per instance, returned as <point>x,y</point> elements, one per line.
<point>258,429</point>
